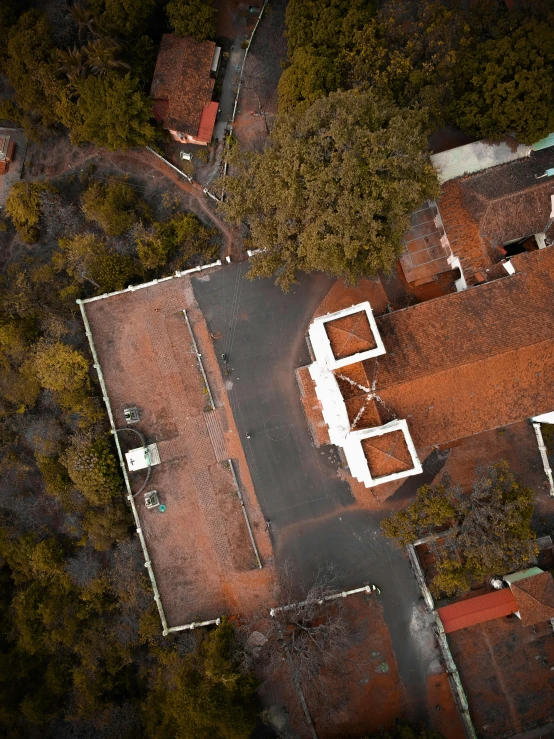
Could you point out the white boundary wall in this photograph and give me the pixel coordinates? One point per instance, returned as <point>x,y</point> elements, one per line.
<point>147,561</point>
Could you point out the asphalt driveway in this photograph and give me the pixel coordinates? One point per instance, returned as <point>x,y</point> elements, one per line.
<point>314,517</point>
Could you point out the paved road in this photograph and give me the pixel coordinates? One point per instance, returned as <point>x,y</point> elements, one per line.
<point>314,519</point>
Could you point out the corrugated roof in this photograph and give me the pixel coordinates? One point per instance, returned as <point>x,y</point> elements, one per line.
<point>182,77</point>
<point>477,610</point>
<point>535,598</point>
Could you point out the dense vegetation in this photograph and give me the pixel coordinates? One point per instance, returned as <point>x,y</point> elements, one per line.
<point>332,191</point>
<point>89,68</point>
<point>487,530</point>
<point>81,651</point>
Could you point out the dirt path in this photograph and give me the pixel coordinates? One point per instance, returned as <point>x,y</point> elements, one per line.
<point>61,157</point>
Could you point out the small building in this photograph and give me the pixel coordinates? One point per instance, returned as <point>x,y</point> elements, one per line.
<point>183,86</point>
<point>529,595</point>
<point>7,152</point>
<point>497,201</point>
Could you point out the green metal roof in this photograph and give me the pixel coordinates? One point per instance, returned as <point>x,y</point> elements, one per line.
<point>523,575</point>
<point>544,143</point>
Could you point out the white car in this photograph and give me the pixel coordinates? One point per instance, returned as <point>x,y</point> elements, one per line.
<point>185,155</point>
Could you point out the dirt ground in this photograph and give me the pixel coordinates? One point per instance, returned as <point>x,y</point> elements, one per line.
<point>201,552</point>
<point>362,693</point>
<point>257,104</point>
<point>507,671</point>
<point>359,694</point>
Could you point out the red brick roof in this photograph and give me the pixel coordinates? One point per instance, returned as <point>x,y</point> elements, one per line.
<point>535,598</point>
<point>471,361</point>
<point>182,77</point>
<point>490,208</point>
<point>477,610</point>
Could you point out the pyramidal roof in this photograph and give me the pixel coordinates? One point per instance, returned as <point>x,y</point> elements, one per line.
<point>535,598</point>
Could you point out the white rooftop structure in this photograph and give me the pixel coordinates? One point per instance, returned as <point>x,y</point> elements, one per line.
<point>340,339</point>
<point>357,459</point>
<point>142,457</point>
<point>322,345</point>
<point>476,157</point>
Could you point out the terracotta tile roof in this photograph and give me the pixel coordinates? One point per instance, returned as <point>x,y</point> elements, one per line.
<point>207,122</point>
<point>501,204</point>
<point>477,610</point>
<point>387,454</point>
<point>182,77</point>
<point>312,407</point>
<point>535,598</point>
<point>350,335</point>
<point>470,361</point>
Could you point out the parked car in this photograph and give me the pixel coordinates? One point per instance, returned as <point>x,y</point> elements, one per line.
<point>185,155</point>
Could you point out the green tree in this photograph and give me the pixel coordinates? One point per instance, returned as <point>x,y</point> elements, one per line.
<point>204,695</point>
<point>433,507</point>
<point>24,207</point>
<point>114,205</point>
<point>59,367</point>
<point>309,77</point>
<point>319,33</point>
<point>130,17</point>
<point>31,68</point>
<point>194,18</point>
<point>87,258</point>
<point>105,526</point>
<point>92,468</point>
<point>113,112</point>
<point>506,84</point>
<point>489,528</point>
<point>451,578</point>
<point>334,188</point>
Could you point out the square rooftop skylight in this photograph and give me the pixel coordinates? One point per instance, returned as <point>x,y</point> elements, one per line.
<point>346,336</point>
<point>382,454</point>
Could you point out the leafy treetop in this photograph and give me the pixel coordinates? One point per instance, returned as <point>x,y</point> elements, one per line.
<point>488,529</point>
<point>194,18</point>
<point>334,187</point>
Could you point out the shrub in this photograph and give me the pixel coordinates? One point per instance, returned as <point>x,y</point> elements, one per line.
<point>115,206</point>
<point>24,207</point>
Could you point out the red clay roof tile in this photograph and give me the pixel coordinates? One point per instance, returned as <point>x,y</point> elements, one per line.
<point>182,77</point>
<point>477,610</point>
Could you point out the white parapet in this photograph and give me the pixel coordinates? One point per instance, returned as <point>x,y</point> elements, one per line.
<point>322,346</point>
<point>333,407</point>
<point>356,459</point>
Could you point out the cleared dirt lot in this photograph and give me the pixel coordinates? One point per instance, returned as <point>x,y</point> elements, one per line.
<point>361,692</point>
<point>200,549</point>
<point>507,673</point>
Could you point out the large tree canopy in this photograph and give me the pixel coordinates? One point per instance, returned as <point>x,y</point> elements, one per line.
<point>194,18</point>
<point>334,187</point>
<point>488,529</point>
<point>113,112</point>
<point>506,84</point>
